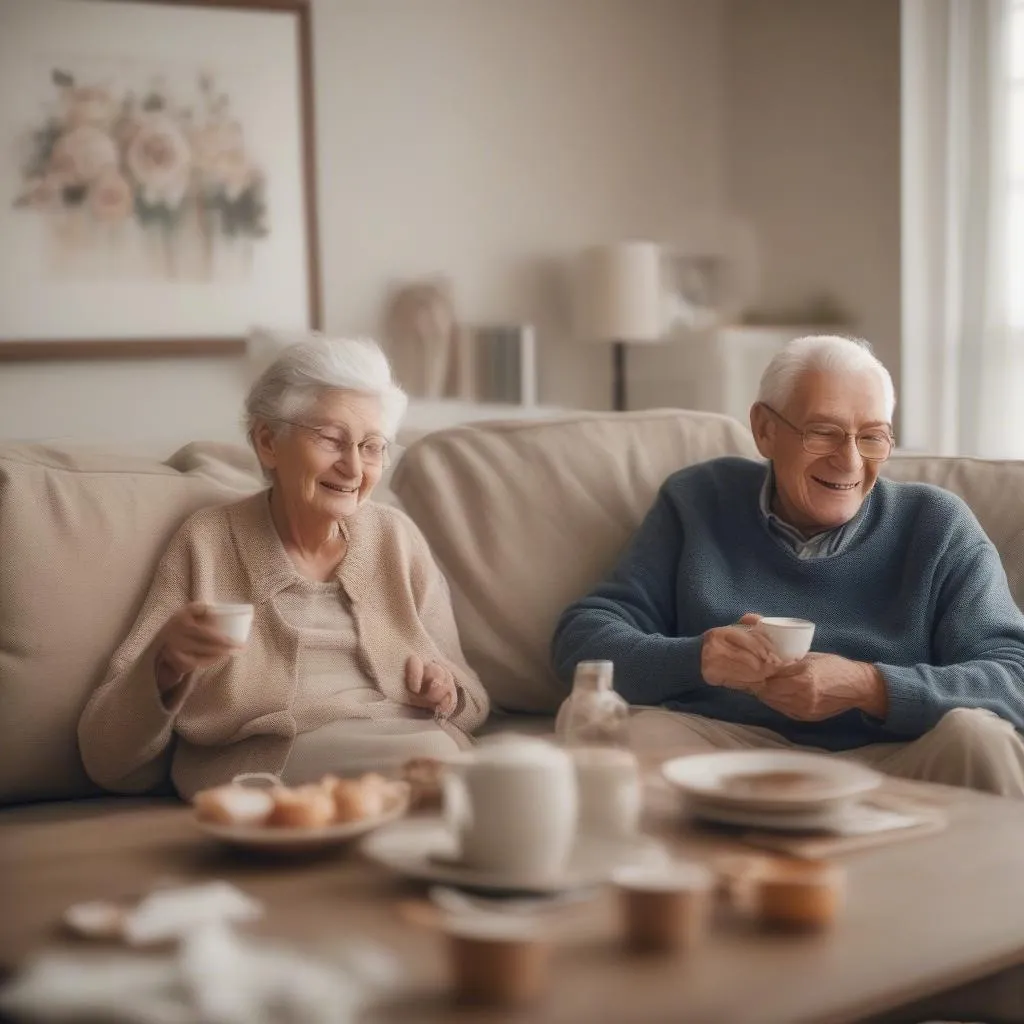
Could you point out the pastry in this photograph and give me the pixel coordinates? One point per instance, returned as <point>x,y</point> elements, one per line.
<point>424,777</point>
<point>376,793</point>
<point>309,806</point>
<point>349,798</point>
<point>315,805</point>
<point>233,805</point>
<point>799,894</point>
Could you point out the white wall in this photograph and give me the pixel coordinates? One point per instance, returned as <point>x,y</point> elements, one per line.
<point>812,129</point>
<point>488,139</point>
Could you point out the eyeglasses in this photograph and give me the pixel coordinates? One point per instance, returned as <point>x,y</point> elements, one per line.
<point>373,450</point>
<point>874,443</point>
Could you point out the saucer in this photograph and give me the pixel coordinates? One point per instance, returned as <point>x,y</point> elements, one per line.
<point>828,819</point>
<point>425,849</point>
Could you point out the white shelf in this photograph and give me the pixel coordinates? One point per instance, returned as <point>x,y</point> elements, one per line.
<point>712,371</point>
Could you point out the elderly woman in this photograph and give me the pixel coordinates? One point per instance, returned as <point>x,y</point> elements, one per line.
<point>918,666</point>
<point>353,659</point>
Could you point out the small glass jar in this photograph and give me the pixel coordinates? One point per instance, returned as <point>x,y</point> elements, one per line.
<point>593,714</point>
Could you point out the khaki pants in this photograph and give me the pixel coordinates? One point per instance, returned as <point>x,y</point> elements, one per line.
<point>969,747</point>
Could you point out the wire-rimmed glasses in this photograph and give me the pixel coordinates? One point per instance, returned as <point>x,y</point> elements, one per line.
<point>374,450</point>
<point>874,443</point>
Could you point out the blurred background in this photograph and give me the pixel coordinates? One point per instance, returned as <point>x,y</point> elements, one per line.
<point>792,166</point>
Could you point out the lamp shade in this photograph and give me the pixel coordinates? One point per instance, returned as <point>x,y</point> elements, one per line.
<point>618,293</point>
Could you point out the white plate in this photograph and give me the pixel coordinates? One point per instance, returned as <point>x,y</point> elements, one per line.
<point>305,840</point>
<point>424,848</point>
<point>828,819</point>
<point>833,780</point>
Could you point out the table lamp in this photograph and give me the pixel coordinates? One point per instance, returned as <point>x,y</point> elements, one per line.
<point>618,298</point>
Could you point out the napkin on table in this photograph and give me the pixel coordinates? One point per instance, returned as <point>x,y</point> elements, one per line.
<point>209,975</point>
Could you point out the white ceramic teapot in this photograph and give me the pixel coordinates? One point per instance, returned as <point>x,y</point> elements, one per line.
<point>512,803</point>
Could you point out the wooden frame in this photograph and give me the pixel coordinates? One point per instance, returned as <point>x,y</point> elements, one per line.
<point>149,345</point>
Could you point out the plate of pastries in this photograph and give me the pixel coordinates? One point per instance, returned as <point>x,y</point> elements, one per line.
<point>259,812</point>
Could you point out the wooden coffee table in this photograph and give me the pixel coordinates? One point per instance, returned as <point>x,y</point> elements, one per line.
<point>924,916</point>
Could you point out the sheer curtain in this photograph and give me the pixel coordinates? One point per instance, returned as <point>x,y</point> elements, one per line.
<point>963,217</point>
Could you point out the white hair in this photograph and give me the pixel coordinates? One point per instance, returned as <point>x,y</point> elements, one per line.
<point>291,385</point>
<point>830,353</point>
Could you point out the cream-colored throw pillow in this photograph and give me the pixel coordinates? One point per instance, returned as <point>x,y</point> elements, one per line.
<point>80,535</point>
<point>525,517</point>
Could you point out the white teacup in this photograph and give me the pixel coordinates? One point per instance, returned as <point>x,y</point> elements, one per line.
<point>610,791</point>
<point>233,620</point>
<point>791,638</point>
<point>513,807</point>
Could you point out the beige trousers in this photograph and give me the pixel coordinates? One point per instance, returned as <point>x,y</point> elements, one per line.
<point>969,747</point>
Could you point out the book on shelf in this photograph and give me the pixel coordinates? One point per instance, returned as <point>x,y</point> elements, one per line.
<point>505,358</point>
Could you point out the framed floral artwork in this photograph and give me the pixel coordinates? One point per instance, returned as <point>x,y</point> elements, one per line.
<point>157,190</point>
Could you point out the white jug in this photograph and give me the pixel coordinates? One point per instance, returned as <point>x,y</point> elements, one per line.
<point>513,805</point>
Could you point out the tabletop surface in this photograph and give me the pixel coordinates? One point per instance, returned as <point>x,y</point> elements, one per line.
<point>922,915</point>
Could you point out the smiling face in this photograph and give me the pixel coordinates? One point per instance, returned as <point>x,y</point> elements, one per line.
<point>314,479</point>
<point>821,492</point>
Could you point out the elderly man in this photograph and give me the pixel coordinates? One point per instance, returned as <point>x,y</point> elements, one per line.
<point>918,660</point>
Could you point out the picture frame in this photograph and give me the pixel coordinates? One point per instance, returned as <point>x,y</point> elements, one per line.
<point>157,176</point>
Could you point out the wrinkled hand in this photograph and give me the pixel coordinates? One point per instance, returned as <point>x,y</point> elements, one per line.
<point>737,657</point>
<point>822,685</point>
<point>430,686</point>
<point>188,641</point>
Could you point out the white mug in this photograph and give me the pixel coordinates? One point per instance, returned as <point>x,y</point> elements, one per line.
<point>513,806</point>
<point>233,620</point>
<point>610,791</point>
<point>791,638</point>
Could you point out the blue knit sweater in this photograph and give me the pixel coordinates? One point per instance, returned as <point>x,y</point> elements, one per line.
<point>919,591</point>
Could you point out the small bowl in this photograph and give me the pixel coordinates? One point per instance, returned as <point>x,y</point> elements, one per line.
<point>496,960</point>
<point>664,908</point>
<point>798,895</point>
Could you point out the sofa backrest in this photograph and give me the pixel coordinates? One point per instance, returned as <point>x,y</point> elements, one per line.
<point>525,518</point>
<point>80,535</point>
<point>995,492</point>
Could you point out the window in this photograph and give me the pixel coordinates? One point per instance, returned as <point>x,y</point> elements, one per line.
<point>1016,169</point>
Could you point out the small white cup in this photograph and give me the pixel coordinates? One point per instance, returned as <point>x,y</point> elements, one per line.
<point>610,791</point>
<point>233,620</point>
<point>791,638</point>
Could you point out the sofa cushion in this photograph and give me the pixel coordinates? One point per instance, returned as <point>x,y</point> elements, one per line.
<point>525,517</point>
<point>80,535</point>
<point>993,489</point>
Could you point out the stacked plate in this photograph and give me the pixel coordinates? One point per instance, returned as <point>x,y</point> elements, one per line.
<point>782,790</point>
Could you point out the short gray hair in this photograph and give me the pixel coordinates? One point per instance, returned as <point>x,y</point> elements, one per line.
<point>289,387</point>
<point>830,353</point>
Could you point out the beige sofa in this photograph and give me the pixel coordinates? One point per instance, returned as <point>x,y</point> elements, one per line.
<point>523,517</point>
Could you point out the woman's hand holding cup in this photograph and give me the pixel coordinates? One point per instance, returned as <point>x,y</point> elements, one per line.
<point>738,656</point>
<point>197,636</point>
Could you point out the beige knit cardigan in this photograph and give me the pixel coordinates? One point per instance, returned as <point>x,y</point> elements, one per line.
<point>235,716</point>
